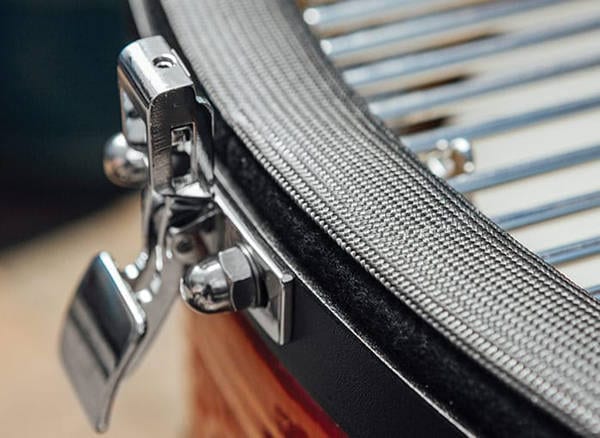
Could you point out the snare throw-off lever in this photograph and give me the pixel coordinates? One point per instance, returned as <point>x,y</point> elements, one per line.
<point>166,147</point>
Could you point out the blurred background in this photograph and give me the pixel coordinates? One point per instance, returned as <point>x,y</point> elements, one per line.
<point>59,105</point>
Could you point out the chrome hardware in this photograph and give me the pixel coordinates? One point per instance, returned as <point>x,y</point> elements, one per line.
<point>166,149</point>
<point>594,291</point>
<point>276,281</point>
<point>226,282</point>
<point>551,210</point>
<point>423,142</point>
<point>450,158</point>
<point>401,37</point>
<point>124,165</point>
<point>157,92</point>
<point>571,251</point>
<point>331,18</point>
<point>110,323</point>
<point>483,180</point>
<point>115,315</point>
<point>375,75</point>
<point>395,107</point>
<point>102,331</point>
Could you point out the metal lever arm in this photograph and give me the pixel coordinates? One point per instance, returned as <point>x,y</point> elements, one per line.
<point>114,316</point>
<point>166,146</point>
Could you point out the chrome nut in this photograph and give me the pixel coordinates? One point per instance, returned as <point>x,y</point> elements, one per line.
<point>227,282</point>
<point>240,276</point>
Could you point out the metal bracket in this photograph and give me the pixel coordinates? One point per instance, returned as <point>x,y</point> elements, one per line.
<point>160,110</point>
<point>275,317</point>
<point>166,145</point>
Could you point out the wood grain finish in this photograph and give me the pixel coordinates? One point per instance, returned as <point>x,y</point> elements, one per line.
<point>240,389</point>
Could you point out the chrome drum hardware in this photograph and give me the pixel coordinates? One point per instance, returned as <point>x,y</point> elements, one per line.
<point>499,98</point>
<point>189,212</point>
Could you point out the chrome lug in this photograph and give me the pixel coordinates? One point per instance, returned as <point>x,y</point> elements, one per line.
<point>165,148</point>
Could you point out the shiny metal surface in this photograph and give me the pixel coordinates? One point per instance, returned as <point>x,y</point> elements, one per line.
<point>116,314</point>
<point>594,291</point>
<point>403,105</point>
<point>425,141</point>
<point>450,158</point>
<point>551,210</point>
<point>378,72</point>
<point>483,180</point>
<point>423,31</point>
<point>144,291</point>
<point>154,81</point>
<point>163,118</point>
<point>224,283</point>
<point>103,328</point>
<point>100,343</point>
<point>242,228</point>
<point>571,251</point>
<point>124,165</point>
<point>352,14</point>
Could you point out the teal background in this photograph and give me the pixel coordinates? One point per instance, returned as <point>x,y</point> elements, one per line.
<point>59,105</point>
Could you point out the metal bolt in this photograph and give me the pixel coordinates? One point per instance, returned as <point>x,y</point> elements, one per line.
<point>227,282</point>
